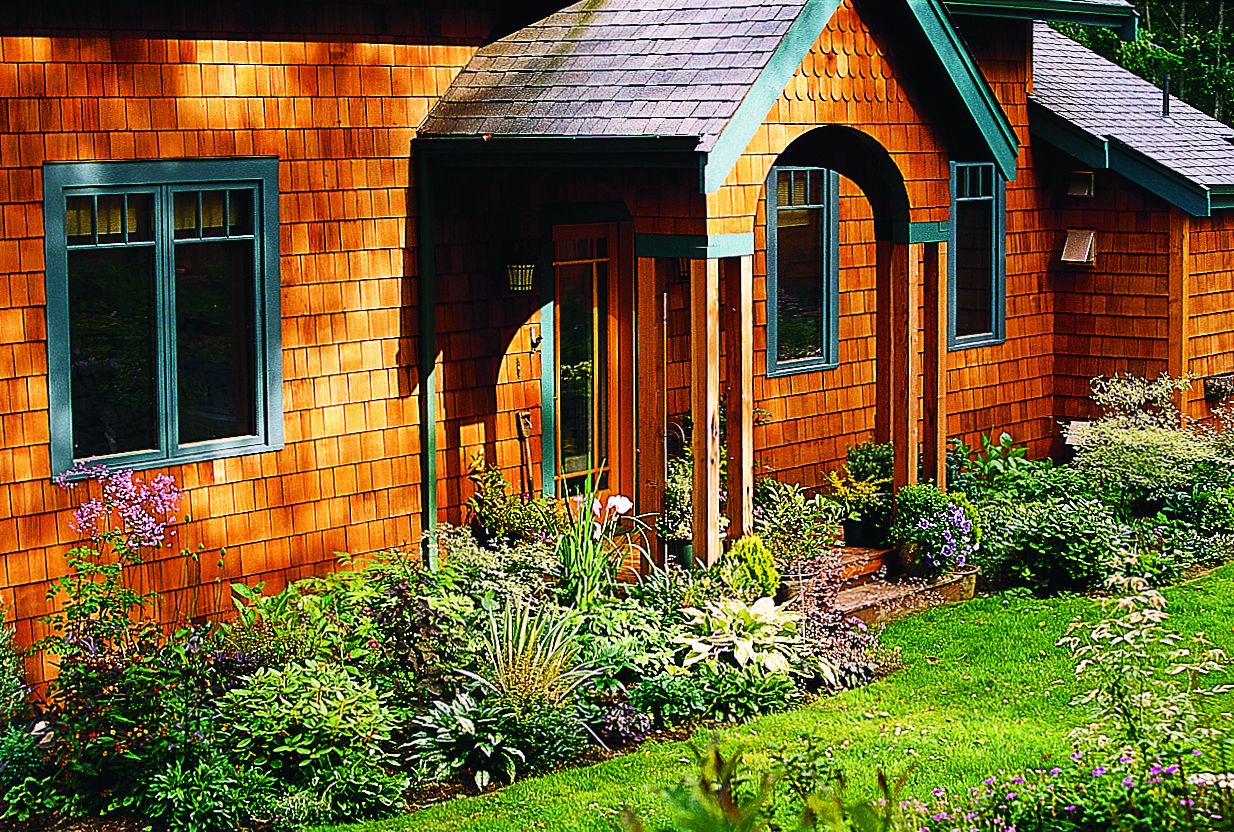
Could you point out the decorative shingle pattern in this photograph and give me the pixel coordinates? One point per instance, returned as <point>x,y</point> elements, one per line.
<point>1109,102</point>
<point>606,68</point>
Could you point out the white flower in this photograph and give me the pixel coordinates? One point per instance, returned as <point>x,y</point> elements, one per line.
<point>619,503</point>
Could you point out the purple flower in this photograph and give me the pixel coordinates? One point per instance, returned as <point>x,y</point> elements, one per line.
<point>1098,771</point>
<point>1128,781</point>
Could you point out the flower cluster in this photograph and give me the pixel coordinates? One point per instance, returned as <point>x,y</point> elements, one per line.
<point>134,512</point>
<point>951,533</point>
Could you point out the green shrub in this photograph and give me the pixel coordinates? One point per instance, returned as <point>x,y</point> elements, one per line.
<point>736,694</point>
<point>13,690</point>
<point>749,568</point>
<point>676,520</point>
<point>304,721</point>
<point>196,796</point>
<point>871,460</point>
<point>759,636</point>
<point>671,698</point>
<point>794,526</point>
<point>938,531</point>
<point>999,466</point>
<point>626,640</point>
<point>549,736</point>
<point>1050,545</point>
<point>499,515</point>
<point>465,738</point>
<point>500,575</point>
<point>20,758</point>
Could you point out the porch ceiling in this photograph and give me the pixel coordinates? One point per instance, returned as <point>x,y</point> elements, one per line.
<point>701,70</point>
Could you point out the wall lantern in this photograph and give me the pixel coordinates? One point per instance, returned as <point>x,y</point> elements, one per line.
<point>522,276</point>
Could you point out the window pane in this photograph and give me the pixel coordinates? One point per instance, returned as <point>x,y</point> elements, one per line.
<point>111,350</point>
<point>212,214</point>
<point>111,218</point>
<point>215,359</point>
<point>974,294</point>
<point>581,373</point>
<point>799,284</point>
<point>185,211</point>
<point>79,220</point>
<point>140,218</point>
<point>240,212</point>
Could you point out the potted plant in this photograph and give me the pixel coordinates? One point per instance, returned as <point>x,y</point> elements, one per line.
<point>935,532</point>
<point>675,525</point>
<point>866,505</point>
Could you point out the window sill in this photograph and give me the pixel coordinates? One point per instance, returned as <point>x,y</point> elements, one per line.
<point>798,368</point>
<point>971,341</point>
<point>207,452</point>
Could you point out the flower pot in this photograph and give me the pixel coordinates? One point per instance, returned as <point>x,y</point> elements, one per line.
<point>867,532</point>
<point>910,562</point>
<point>968,580</point>
<point>680,552</point>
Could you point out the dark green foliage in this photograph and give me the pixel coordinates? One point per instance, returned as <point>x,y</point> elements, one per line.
<point>794,525</point>
<point>871,460</point>
<point>497,514</point>
<point>670,698</point>
<point>1050,545</point>
<point>20,758</point>
<point>464,738</point>
<point>737,694</point>
<point>550,736</point>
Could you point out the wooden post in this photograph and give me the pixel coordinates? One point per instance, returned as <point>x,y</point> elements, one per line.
<point>905,393</point>
<point>934,364</point>
<point>649,432</point>
<point>884,342</point>
<point>705,405</point>
<point>738,276</point>
<point>1178,362</point>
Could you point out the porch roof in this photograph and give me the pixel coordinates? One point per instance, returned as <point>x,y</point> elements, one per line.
<point>702,70</point>
<point>1108,117</point>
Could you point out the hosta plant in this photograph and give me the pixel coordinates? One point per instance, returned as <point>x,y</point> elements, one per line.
<point>464,738</point>
<point>731,632</point>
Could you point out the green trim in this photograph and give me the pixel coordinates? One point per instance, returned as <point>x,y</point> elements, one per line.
<point>830,280</point>
<point>694,246</point>
<point>426,307</point>
<point>586,213</point>
<point>548,366</point>
<point>1109,153</point>
<point>998,272</point>
<point>1123,18</point>
<point>929,232</point>
<point>161,179</point>
<point>769,86</point>
<point>978,98</point>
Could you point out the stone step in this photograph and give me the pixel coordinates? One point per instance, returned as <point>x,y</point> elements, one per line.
<point>880,601</point>
<point>860,565</point>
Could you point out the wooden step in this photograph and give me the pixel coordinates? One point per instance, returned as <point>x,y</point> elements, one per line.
<point>859,565</point>
<point>880,601</point>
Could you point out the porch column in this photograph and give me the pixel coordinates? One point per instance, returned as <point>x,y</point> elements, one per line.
<point>705,405</point>
<point>1178,361</point>
<point>897,390</point>
<point>649,432</point>
<point>934,364</point>
<point>738,276</point>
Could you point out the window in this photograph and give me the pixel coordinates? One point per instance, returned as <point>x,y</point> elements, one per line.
<point>803,270</point>
<point>977,262</point>
<point>162,310</point>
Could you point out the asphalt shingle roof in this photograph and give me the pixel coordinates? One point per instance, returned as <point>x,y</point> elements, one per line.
<point>618,68</point>
<point>1110,103</point>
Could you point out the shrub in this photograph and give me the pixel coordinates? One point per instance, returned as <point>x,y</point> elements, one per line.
<point>794,526</point>
<point>20,758</point>
<point>749,568</point>
<point>676,520</point>
<point>998,466</point>
<point>669,698</point>
<point>628,640</point>
<point>306,721</point>
<point>500,515</point>
<point>549,736</point>
<point>464,738</point>
<point>619,724</point>
<point>870,461</point>
<point>1051,545</point>
<point>532,658</point>
<point>736,694</point>
<point>13,689</point>
<point>196,797</point>
<point>936,531</point>
<point>501,575</point>
<point>760,636</point>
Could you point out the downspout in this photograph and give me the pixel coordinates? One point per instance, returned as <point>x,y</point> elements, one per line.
<point>426,306</point>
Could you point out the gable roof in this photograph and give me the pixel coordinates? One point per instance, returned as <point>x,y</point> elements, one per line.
<point>1108,117</point>
<point>1113,14</point>
<point>702,70</point>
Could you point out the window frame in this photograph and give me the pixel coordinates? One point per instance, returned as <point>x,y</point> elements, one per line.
<point>830,278</point>
<point>998,271</point>
<point>163,178</point>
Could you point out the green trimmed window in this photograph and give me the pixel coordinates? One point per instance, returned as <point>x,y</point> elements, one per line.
<point>162,310</point>
<point>803,270</point>
<point>977,258</point>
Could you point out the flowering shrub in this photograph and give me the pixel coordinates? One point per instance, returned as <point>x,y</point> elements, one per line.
<point>935,531</point>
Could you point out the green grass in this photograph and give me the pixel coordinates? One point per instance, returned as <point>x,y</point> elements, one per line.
<point>983,688</point>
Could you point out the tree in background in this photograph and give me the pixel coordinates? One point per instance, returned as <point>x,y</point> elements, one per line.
<point>1188,39</point>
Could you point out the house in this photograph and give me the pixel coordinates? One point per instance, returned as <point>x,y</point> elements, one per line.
<point>313,259</point>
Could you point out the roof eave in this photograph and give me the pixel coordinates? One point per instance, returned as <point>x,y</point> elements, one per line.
<point>1109,153</point>
<point>1126,21</point>
<point>563,151</point>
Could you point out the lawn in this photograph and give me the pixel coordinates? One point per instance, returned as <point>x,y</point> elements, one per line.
<point>983,688</point>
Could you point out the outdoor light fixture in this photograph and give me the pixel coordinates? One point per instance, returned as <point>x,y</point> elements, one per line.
<point>521,275</point>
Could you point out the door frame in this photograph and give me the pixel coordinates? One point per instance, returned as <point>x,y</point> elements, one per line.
<point>621,407</point>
